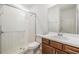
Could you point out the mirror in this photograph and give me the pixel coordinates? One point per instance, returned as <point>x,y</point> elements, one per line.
<point>63,18</point>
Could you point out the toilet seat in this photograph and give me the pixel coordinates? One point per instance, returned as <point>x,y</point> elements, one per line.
<point>34,45</point>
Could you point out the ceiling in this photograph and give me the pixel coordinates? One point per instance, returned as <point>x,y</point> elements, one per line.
<point>29,6</point>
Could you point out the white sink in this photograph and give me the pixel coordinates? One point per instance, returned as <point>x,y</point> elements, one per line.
<point>61,37</point>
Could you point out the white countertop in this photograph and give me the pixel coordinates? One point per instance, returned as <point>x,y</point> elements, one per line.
<point>65,40</point>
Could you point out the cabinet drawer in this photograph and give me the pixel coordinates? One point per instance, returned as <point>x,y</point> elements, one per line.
<point>44,40</point>
<point>56,45</point>
<point>70,49</point>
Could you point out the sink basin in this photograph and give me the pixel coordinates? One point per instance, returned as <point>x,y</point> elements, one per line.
<point>61,38</point>
<point>56,36</point>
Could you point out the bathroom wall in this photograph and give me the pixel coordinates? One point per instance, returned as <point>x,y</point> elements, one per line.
<point>41,19</point>
<point>53,19</point>
<point>31,28</point>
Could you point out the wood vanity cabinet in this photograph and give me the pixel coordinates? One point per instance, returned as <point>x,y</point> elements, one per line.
<point>70,49</point>
<point>56,45</point>
<point>60,52</point>
<point>46,41</point>
<point>53,47</point>
<point>47,49</point>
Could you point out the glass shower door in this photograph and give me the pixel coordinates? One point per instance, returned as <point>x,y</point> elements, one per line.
<point>13,28</point>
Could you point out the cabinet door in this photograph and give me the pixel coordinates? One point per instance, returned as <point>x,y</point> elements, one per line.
<point>44,40</point>
<point>47,49</point>
<point>56,45</point>
<point>60,52</point>
<point>70,49</point>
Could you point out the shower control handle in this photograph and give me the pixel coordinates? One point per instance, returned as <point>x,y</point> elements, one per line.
<point>2,32</point>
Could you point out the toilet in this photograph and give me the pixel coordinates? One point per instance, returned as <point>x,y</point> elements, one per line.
<point>33,47</point>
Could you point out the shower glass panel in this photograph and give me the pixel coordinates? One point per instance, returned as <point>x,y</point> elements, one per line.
<point>16,26</point>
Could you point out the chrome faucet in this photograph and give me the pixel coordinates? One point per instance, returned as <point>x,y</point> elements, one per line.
<point>60,34</point>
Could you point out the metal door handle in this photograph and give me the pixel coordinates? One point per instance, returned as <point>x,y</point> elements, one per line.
<point>2,32</point>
